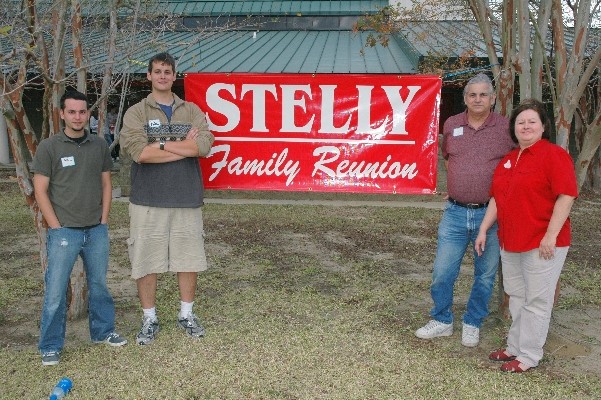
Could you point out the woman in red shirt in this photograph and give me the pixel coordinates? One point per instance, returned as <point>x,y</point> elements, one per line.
<point>533,189</point>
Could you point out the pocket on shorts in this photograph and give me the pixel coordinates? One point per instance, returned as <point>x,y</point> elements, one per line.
<point>130,246</point>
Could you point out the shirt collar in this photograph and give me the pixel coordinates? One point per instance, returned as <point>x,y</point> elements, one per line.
<point>491,120</point>
<point>176,101</point>
<point>536,147</point>
<point>68,139</point>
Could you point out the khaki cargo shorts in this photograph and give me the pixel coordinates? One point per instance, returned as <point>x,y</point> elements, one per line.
<point>165,239</point>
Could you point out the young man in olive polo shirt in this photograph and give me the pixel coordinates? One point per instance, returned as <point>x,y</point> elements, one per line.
<point>72,184</point>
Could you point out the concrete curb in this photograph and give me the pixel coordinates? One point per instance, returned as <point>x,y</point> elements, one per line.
<point>436,205</point>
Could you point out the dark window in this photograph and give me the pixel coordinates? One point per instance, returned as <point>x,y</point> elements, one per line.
<point>320,22</point>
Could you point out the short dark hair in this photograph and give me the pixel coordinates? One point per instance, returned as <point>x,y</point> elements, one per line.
<point>164,57</point>
<point>535,105</point>
<point>75,95</point>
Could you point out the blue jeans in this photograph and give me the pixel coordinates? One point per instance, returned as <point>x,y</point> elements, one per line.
<point>63,247</point>
<point>458,229</point>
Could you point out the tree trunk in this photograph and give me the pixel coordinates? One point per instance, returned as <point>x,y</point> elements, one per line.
<point>539,58</point>
<point>590,146</point>
<point>77,292</point>
<point>523,60</point>
<point>507,77</point>
<point>77,27</point>
<point>18,125</point>
<point>596,173</point>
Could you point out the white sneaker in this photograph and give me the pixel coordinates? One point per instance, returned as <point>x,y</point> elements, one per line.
<point>470,337</point>
<point>434,329</point>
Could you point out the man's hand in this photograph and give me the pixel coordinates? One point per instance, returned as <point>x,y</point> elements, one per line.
<point>193,134</point>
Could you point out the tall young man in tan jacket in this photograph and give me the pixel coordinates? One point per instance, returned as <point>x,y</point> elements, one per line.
<point>165,135</point>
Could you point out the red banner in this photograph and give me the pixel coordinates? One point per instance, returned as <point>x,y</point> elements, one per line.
<point>329,132</point>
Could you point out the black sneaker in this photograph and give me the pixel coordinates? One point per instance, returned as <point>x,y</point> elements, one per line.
<point>191,325</point>
<point>51,358</point>
<point>148,332</point>
<point>113,339</point>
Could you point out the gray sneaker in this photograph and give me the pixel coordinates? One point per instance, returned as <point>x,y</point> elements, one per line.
<point>113,339</point>
<point>434,329</point>
<point>192,326</point>
<point>149,330</point>
<point>51,358</point>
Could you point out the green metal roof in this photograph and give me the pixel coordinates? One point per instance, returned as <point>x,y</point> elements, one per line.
<point>274,51</point>
<point>447,38</point>
<point>299,52</point>
<point>293,37</point>
<point>299,48</point>
<point>456,38</point>
<point>198,8</point>
<point>246,7</point>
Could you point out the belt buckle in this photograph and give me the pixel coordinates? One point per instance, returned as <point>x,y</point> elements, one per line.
<point>472,205</point>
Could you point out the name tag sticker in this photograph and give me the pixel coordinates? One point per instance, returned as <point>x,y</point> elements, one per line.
<point>458,131</point>
<point>68,161</point>
<point>154,123</point>
<point>507,165</point>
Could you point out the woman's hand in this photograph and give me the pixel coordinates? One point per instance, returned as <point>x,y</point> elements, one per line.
<point>561,210</point>
<point>546,249</point>
<point>480,243</point>
<point>489,219</point>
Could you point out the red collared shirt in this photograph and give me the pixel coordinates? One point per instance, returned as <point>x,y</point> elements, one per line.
<point>525,191</point>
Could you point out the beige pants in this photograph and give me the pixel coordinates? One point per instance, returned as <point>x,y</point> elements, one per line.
<point>165,239</point>
<point>530,282</point>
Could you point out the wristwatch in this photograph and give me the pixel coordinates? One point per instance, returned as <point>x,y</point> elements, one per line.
<point>162,144</point>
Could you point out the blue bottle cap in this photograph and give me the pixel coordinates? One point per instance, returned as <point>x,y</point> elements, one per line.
<point>66,384</point>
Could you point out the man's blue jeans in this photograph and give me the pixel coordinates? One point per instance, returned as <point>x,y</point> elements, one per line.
<point>457,232</point>
<point>63,247</point>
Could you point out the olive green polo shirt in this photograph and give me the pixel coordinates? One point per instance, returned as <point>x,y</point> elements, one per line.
<point>75,172</point>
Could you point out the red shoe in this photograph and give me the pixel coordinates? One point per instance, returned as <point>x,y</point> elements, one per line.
<point>500,355</point>
<point>513,366</point>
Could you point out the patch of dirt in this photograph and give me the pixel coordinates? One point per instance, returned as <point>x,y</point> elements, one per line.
<point>574,340</point>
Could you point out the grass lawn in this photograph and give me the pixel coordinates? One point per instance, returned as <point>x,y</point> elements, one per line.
<point>299,302</point>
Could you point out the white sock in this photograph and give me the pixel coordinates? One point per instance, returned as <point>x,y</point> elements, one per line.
<point>151,313</point>
<point>185,309</point>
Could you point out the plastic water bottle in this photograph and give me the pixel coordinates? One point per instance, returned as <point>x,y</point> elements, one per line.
<point>61,389</point>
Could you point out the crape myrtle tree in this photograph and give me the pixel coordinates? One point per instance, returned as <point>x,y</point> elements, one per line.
<point>544,49</point>
<point>532,58</point>
<point>49,46</point>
